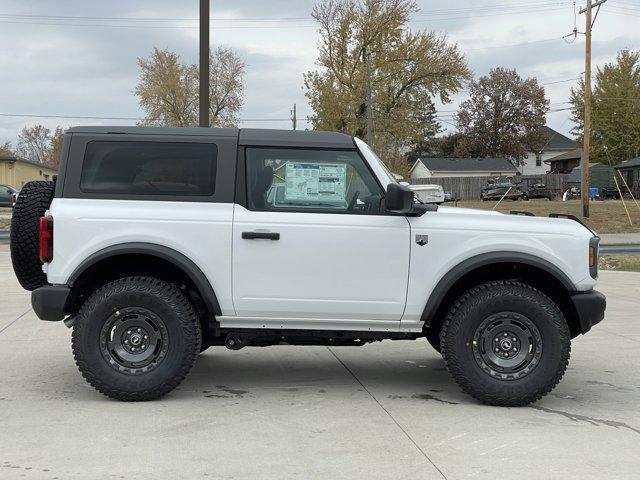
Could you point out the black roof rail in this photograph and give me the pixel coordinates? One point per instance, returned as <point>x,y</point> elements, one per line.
<point>521,212</point>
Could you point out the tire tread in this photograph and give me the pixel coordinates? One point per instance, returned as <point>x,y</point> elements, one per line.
<point>33,201</point>
<point>458,371</point>
<point>167,292</point>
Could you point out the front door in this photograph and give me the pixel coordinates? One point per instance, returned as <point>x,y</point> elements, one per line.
<point>312,242</point>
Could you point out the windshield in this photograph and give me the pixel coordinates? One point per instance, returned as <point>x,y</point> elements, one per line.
<point>373,160</point>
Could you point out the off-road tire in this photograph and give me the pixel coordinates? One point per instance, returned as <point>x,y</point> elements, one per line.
<point>34,199</point>
<point>170,305</point>
<point>496,298</point>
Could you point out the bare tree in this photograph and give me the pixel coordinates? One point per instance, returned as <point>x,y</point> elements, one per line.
<point>226,87</point>
<point>168,89</point>
<point>55,148</point>
<point>34,143</point>
<point>6,149</point>
<point>38,144</point>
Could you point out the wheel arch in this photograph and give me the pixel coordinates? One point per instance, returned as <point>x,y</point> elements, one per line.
<point>536,271</point>
<point>136,258</point>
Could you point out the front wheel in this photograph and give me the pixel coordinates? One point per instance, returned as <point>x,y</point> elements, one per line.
<point>136,338</point>
<point>505,343</point>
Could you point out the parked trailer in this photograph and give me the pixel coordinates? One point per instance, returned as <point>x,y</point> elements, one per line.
<point>430,193</point>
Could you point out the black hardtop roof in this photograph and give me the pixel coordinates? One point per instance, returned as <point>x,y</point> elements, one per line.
<point>246,136</point>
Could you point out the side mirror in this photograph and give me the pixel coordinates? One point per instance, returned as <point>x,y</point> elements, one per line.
<point>399,198</point>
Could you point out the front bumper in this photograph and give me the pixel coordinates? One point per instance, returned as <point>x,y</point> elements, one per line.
<point>49,302</point>
<point>590,307</point>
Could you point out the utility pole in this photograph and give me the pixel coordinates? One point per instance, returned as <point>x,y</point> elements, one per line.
<point>587,105</point>
<point>293,118</point>
<point>204,64</point>
<point>369,102</point>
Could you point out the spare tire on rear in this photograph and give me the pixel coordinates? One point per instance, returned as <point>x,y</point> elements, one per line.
<point>33,201</point>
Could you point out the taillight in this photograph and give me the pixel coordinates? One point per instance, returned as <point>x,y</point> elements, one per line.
<point>46,239</point>
<point>14,198</point>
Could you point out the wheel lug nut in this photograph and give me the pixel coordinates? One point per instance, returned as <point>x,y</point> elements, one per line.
<point>128,332</point>
<point>139,330</point>
<point>126,342</point>
<point>505,334</point>
<point>515,339</point>
<point>497,349</point>
<point>146,336</point>
<point>515,349</point>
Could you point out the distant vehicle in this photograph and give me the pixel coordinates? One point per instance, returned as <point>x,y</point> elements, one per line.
<point>429,193</point>
<point>8,196</point>
<point>538,190</point>
<point>606,193</point>
<point>498,188</point>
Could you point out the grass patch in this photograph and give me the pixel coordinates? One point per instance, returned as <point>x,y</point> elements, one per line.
<point>622,263</point>
<point>606,216</point>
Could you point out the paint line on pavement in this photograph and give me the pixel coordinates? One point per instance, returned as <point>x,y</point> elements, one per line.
<point>14,321</point>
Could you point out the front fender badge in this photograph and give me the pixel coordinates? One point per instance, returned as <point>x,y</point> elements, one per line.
<point>422,240</point>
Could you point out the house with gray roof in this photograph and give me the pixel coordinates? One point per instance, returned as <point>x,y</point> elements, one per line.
<point>534,162</point>
<point>565,162</point>
<point>462,167</point>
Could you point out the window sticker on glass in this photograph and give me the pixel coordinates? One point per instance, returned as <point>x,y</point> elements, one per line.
<point>315,181</point>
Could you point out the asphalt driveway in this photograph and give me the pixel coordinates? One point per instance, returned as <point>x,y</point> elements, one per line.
<point>387,410</point>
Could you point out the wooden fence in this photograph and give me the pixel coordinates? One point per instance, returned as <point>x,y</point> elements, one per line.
<point>468,188</point>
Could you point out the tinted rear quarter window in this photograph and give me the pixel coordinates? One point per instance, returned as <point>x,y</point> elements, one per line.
<point>149,168</point>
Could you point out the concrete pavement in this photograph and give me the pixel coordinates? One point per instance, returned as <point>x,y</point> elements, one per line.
<point>384,411</point>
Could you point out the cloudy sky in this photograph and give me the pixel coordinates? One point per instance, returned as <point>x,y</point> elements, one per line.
<point>78,57</point>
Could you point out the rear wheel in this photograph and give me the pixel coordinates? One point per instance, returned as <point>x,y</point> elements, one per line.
<point>505,343</point>
<point>136,338</point>
<point>33,201</point>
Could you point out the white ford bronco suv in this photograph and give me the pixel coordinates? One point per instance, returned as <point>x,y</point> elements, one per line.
<point>154,244</point>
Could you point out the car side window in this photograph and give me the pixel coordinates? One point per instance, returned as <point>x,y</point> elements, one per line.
<point>149,168</point>
<point>323,181</point>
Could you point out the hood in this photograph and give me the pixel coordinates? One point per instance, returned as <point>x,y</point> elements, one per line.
<point>494,222</point>
<point>467,211</point>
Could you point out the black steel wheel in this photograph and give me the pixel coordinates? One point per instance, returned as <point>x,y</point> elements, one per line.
<point>505,343</point>
<point>507,346</point>
<point>136,338</point>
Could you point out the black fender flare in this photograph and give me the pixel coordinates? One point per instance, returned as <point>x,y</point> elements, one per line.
<point>481,260</point>
<point>178,259</point>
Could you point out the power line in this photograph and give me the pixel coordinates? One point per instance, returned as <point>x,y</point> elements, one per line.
<point>101,117</point>
<point>497,7</point>
<point>95,117</point>
<point>144,22</point>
